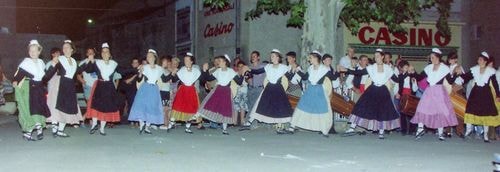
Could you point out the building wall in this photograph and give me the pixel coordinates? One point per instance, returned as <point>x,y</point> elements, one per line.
<point>132,39</point>
<point>8,16</point>
<point>485,29</point>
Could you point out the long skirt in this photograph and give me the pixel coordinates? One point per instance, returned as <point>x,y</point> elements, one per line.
<point>31,103</point>
<point>52,99</point>
<point>375,110</point>
<point>481,108</point>
<point>313,111</point>
<point>185,104</point>
<point>217,106</point>
<point>147,105</point>
<point>103,103</point>
<point>434,109</point>
<point>272,106</point>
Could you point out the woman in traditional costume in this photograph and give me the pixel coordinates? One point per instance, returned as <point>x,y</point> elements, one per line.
<point>434,109</point>
<point>217,106</point>
<point>102,105</point>
<point>481,108</point>
<point>186,103</point>
<point>61,97</point>
<point>272,106</point>
<point>313,110</point>
<point>30,93</point>
<point>375,109</point>
<point>147,108</point>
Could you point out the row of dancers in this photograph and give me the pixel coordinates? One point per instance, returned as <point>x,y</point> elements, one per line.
<point>266,87</point>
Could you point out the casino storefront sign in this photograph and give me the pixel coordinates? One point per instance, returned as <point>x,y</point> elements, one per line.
<point>413,45</point>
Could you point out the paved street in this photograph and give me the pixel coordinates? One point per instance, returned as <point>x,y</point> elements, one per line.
<point>257,150</point>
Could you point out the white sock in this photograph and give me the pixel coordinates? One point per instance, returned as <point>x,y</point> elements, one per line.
<point>440,131</point>
<point>468,129</point>
<point>147,126</point>
<point>381,132</point>
<point>103,124</point>
<point>141,124</point>
<point>351,127</point>
<point>94,122</point>
<point>485,129</point>
<point>54,127</point>
<point>61,126</point>
<point>224,126</point>
<point>188,125</point>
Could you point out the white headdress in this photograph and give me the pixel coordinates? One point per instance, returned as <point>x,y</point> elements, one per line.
<point>152,51</point>
<point>68,41</point>
<point>189,54</point>
<point>275,51</point>
<point>34,42</point>
<point>227,57</point>
<point>437,51</point>
<point>105,45</point>
<point>485,54</point>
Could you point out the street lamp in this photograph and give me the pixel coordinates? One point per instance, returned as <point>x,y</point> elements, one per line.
<point>90,21</point>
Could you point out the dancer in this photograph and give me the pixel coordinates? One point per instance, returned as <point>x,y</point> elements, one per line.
<point>30,93</point>
<point>147,108</point>
<point>434,109</point>
<point>217,106</point>
<point>61,98</point>
<point>375,109</point>
<point>186,103</point>
<point>273,106</point>
<point>313,110</point>
<point>102,105</point>
<point>481,108</point>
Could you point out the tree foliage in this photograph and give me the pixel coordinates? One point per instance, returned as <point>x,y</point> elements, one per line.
<point>356,12</point>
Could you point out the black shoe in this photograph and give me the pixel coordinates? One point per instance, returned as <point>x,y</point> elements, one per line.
<point>147,132</point>
<point>188,131</point>
<point>419,134</point>
<point>381,136</point>
<point>486,140</point>
<point>28,137</point>
<point>39,136</point>
<point>102,133</point>
<point>62,134</point>
<point>325,135</point>
<point>244,128</point>
<point>224,132</point>
<point>93,129</point>
<point>441,138</point>
<point>142,130</point>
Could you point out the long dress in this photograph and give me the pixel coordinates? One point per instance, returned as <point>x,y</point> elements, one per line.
<point>375,109</point>
<point>313,110</point>
<point>103,103</point>
<point>434,109</point>
<point>217,105</point>
<point>186,103</point>
<point>30,94</point>
<point>481,108</point>
<point>147,105</point>
<point>273,106</point>
<point>61,97</point>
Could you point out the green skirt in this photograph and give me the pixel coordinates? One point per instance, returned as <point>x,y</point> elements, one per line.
<point>27,120</point>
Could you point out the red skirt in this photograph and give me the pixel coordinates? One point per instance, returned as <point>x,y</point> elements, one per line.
<point>102,116</point>
<point>185,103</point>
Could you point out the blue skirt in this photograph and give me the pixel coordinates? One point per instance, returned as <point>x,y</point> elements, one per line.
<point>147,105</point>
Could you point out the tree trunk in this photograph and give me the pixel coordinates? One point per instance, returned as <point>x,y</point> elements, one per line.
<point>320,28</point>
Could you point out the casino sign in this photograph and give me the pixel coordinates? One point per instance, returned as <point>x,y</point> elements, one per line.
<point>415,44</point>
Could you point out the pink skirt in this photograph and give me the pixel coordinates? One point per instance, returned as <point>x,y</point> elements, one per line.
<point>435,109</point>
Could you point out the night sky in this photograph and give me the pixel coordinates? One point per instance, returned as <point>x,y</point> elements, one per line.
<point>67,17</point>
